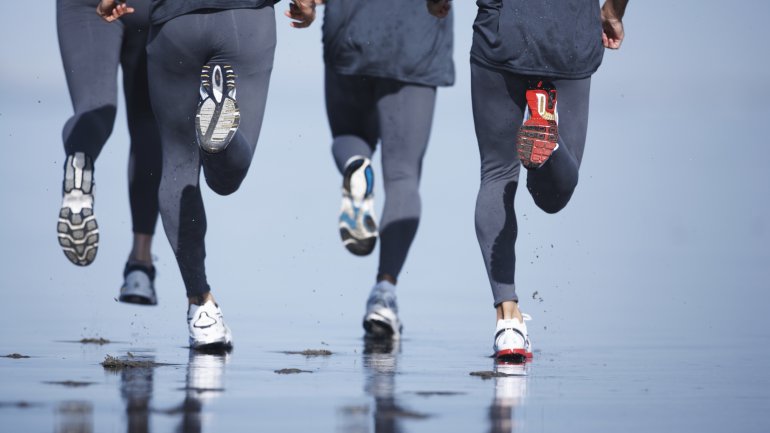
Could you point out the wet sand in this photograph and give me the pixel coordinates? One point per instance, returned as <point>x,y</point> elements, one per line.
<point>421,384</point>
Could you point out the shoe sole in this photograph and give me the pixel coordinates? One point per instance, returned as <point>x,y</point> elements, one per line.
<point>213,347</point>
<point>136,300</point>
<point>538,137</point>
<point>358,247</point>
<point>358,242</point>
<point>378,327</point>
<point>217,119</point>
<point>513,355</point>
<point>536,143</point>
<point>78,232</point>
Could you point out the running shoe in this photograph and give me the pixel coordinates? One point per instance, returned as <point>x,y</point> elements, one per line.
<point>77,228</point>
<point>538,136</point>
<point>138,285</point>
<point>381,318</point>
<point>208,330</point>
<point>358,226</point>
<point>217,117</point>
<point>512,340</point>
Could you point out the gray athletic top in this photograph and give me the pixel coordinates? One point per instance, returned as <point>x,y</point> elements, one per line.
<point>551,38</point>
<point>164,10</point>
<point>396,39</point>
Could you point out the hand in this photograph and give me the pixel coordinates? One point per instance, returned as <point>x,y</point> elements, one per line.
<point>320,2</point>
<point>612,24</point>
<point>439,8</point>
<point>112,10</point>
<point>302,12</point>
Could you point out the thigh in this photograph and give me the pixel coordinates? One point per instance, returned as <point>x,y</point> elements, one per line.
<point>245,39</point>
<point>498,106</point>
<point>572,106</point>
<point>90,51</point>
<point>405,114</point>
<point>351,106</point>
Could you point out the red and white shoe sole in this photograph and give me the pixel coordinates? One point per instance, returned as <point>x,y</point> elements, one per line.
<point>537,140</point>
<point>508,353</point>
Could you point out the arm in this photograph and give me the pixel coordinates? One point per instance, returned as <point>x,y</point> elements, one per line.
<point>111,10</point>
<point>439,8</point>
<point>612,23</point>
<point>302,12</point>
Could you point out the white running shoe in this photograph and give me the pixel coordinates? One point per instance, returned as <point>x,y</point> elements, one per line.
<point>358,226</point>
<point>218,116</point>
<point>138,285</point>
<point>77,229</point>
<point>512,339</point>
<point>381,318</point>
<point>207,327</point>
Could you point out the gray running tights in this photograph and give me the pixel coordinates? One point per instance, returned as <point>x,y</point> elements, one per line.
<point>498,108</point>
<point>364,110</point>
<point>245,39</point>
<point>91,50</point>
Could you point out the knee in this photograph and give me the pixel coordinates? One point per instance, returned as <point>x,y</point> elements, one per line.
<point>554,202</point>
<point>221,188</point>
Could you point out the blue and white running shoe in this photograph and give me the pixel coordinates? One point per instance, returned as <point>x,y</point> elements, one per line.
<point>381,318</point>
<point>77,229</point>
<point>217,117</point>
<point>358,226</point>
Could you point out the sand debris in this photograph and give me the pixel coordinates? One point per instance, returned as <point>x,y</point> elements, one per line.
<point>490,374</point>
<point>291,371</point>
<point>310,352</point>
<point>438,393</point>
<point>70,383</point>
<point>18,404</point>
<point>115,363</point>
<point>94,340</point>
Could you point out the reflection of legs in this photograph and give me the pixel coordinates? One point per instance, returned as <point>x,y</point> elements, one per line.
<point>136,390</point>
<point>405,113</point>
<point>205,382</point>
<point>552,184</point>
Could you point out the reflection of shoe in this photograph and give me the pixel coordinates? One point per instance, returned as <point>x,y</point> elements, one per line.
<point>510,391</point>
<point>380,362</point>
<point>138,287</point>
<point>205,375</point>
<point>538,137</point>
<point>381,318</point>
<point>217,117</point>
<point>77,228</point>
<point>512,339</point>
<point>358,227</point>
<point>207,327</point>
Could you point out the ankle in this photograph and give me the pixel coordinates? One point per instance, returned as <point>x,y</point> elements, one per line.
<point>508,310</point>
<point>386,277</point>
<point>200,299</point>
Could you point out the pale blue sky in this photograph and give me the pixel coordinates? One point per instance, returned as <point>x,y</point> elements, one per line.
<point>666,234</point>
